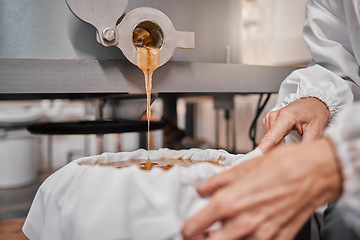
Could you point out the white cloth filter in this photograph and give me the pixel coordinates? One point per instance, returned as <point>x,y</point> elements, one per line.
<point>97,202</point>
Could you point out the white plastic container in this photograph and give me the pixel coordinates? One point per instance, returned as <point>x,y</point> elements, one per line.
<point>18,162</point>
<point>18,152</point>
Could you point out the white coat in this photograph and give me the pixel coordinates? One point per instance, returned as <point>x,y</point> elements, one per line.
<point>332,33</point>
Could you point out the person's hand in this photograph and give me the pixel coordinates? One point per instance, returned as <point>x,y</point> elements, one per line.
<point>270,197</point>
<point>309,116</point>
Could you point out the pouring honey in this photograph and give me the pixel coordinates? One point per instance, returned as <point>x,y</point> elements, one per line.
<point>146,39</point>
<point>148,60</point>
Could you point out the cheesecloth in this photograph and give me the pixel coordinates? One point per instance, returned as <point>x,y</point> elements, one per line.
<point>86,201</point>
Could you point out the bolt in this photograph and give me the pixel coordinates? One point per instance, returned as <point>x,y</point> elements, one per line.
<point>108,34</point>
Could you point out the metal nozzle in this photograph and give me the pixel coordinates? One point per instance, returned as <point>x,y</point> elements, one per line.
<point>148,34</point>
<point>141,27</point>
<point>149,27</point>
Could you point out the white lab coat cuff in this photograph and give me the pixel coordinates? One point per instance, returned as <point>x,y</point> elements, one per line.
<point>347,145</point>
<point>321,95</point>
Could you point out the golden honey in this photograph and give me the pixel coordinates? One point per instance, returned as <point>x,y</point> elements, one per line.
<point>164,164</point>
<point>148,60</point>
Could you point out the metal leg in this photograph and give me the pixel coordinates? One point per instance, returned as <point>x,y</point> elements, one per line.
<point>217,123</point>
<point>98,105</point>
<point>234,130</point>
<point>334,227</point>
<point>49,153</point>
<point>305,232</point>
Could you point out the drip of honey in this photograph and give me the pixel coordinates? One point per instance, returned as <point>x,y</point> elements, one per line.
<point>148,60</point>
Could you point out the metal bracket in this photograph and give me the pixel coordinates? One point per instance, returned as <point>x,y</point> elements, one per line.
<point>103,15</point>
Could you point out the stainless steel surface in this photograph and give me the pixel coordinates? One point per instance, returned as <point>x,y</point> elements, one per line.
<point>47,29</point>
<point>102,14</point>
<point>36,76</point>
<point>172,39</point>
<point>129,108</point>
<point>45,49</point>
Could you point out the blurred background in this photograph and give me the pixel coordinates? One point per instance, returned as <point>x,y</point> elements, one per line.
<point>250,32</point>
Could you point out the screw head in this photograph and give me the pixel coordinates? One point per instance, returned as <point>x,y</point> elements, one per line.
<point>108,34</point>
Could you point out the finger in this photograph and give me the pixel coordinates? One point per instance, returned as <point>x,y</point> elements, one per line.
<point>210,234</point>
<point>258,222</point>
<point>278,131</point>
<point>292,227</point>
<point>238,227</point>
<point>269,120</point>
<point>311,133</point>
<point>265,123</point>
<point>215,182</point>
<point>267,230</point>
<point>282,142</point>
<point>198,237</point>
<point>273,117</point>
<point>202,220</point>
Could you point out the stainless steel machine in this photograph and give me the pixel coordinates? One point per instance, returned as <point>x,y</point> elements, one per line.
<point>46,52</point>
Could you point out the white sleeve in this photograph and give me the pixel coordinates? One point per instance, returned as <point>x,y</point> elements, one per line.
<point>333,75</point>
<point>345,134</point>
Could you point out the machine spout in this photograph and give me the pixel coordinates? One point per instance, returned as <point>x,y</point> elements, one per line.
<point>141,27</point>
<point>148,34</point>
<point>150,27</point>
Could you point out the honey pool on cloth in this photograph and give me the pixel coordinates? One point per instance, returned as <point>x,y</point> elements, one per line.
<point>87,200</point>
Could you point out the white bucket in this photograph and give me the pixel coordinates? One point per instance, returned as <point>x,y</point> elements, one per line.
<point>18,161</point>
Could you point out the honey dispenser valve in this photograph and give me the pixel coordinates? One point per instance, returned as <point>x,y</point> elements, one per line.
<point>148,26</point>
<point>141,27</point>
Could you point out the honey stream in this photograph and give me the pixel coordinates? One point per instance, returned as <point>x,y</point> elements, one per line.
<point>148,60</point>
